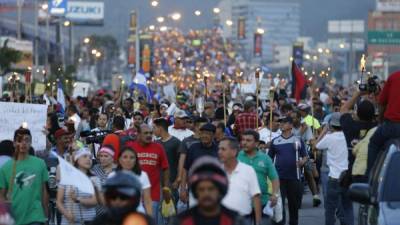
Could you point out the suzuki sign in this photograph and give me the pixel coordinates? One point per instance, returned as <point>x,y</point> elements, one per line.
<point>80,12</point>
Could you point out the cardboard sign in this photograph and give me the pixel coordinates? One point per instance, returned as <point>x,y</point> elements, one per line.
<point>81,89</point>
<point>39,89</point>
<point>13,115</point>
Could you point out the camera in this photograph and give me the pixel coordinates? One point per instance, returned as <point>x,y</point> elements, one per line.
<point>372,85</point>
<point>93,137</point>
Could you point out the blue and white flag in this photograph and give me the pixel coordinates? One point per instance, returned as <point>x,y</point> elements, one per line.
<point>140,84</point>
<point>60,95</point>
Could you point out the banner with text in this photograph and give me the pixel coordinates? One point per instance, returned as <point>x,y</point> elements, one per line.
<point>13,115</point>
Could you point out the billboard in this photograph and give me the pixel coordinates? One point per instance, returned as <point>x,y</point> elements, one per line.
<point>84,12</point>
<point>257,51</point>
<point>78,12</point>
<point>132,54</point>
<point>388,5</point>
<point>346,26</point>
<point>241,28</point>
<point>58,7</point>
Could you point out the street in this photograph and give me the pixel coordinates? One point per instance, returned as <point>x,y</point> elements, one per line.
<point>308,215</point>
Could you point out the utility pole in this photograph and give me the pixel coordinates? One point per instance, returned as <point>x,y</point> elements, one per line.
<point>36,40</point>
<point>20,3</point>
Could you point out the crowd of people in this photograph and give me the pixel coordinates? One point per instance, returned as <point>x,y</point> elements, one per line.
<point>237,160</point>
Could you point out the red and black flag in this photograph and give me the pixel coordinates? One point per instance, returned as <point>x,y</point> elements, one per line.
<point>299,83</point>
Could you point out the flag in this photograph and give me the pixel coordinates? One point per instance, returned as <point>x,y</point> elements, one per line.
<point>69,175</point>
<point>298,83</point>
<point>140,84</point>
<point>60,94</point>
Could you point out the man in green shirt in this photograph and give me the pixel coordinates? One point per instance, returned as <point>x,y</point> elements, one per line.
<point>23,182</point>
<point>263,166</point>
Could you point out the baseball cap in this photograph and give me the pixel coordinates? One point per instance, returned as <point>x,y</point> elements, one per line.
<point>60,132</point>
<point>335,119</point>
<point>180,114</point>
<point>303,106</point>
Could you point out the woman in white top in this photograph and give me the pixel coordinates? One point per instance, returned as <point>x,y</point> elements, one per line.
<point>75,206</point>
<point>128,160</point>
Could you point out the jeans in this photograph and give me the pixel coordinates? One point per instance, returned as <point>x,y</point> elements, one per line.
<point>324,185</point>
<point>157,213</point>
<point>338,199</point>
<point>265,220</point>
<point>293,191</point>
<point>386,131</point>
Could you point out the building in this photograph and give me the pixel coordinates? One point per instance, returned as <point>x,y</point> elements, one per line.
<point>276,21</point>
<point>384,37</point>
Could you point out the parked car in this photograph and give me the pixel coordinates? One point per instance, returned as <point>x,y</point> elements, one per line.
<point>380,197</point>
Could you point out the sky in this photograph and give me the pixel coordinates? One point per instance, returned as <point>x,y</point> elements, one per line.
<point>314,15</point>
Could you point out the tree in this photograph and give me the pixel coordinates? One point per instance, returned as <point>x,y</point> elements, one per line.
<point>7,57</point>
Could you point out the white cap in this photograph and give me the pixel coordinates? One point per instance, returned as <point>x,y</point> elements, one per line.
<point>81,152</point>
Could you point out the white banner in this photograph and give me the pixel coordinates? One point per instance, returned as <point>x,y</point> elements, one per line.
<point>12,115</point>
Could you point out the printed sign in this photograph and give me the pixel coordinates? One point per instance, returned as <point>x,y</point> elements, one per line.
<point>80,12</point>
<point>58,7</point>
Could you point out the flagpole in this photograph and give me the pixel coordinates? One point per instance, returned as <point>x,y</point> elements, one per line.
<point>271,101</point>
<point>223,95</point>
<point>257,75</point>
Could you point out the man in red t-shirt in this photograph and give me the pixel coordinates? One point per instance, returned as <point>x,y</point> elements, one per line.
<point>390,126</point>
<point>154,162</point>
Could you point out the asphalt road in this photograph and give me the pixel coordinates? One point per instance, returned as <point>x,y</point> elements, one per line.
<point>308,215</point>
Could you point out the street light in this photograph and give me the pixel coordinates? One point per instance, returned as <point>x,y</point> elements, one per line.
<point>176,16</point>
<point>320,50</point>
<point>163,28</point>
<point>341,45</point>
<point>307,56</point>
<point>315,58</point>
<point>197,12</point>
<point>86,40</point>
<point>260,31</point>
<point>152,27</point>
<point>160,19</point>
<point>327,51</point>
<point>98,54</point>
<point>154,3</point>
<point>67,23</point>
<point>94,51</point>
<point>229,22</point>
<point>216,10</point>
<point>45,6</point>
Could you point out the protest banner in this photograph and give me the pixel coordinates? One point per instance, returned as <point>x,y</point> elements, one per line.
<point>14,115</point>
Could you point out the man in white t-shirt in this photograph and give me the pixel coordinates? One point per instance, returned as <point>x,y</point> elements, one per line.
<point>337,159</point>
<point>265,134</point>
<point>244,191</point>
<point>179,129</point>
